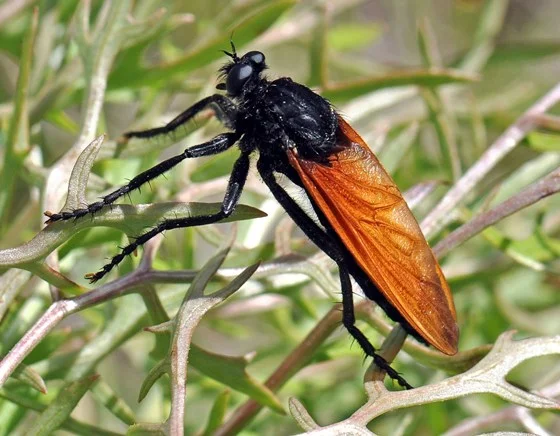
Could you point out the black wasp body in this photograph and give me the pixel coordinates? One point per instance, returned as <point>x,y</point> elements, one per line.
<point>273,116</point>
<point>277,115</point>
<point>270,117</point>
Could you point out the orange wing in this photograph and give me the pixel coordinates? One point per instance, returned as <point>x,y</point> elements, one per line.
<point>369,214</point>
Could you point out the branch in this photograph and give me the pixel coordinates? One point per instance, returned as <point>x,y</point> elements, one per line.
<point>441,214</point>
<point>511,413</point>
<point>488,376</point>
<point>193,308</point>
<point>543,188</point>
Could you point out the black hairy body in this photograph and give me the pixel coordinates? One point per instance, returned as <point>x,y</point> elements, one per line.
<point>268,117</point>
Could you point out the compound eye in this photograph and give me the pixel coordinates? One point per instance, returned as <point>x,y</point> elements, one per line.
<point>237,77</point>
<point>255,56</point>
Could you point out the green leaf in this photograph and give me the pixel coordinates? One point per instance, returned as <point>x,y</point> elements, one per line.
<point>63,121</point>
<point>393,153</point>
<point>232,371</point>
<point>23,318</point>
<point>439,115</point>
<point>53,342</point>
<point>538,251</point>
<point>429,78</point>
<point>61,407</point>
<point>246,29</point>
<point>30,377</point>
<point>318,74</point>
<point>27,403</point>
<point>353,36</point>
<point>157,371</point>
<point>523,51</point>
<point>11,282</point>
<point>540,141</point>
<point>17,143</point>
<point>528,173</point>
<point>128,218</point>
<point>147,429</point>
<point>215,167</point>
<point>114,403</point>
<point>218,413</point>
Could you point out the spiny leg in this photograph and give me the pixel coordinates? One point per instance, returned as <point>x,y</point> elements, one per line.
<point>225,109</point>
<point>327,244</point>
<point>217,145</point>
<point>349,321</point>
<point>231,198</point>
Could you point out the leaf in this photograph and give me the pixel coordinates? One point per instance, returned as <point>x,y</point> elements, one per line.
<point>302,416</point>
<point>17,141</point>
<point>194,306</point>
<point>70,424</point>
<point>343,37</point>
<point>113,402</point>
<point>80,174</point>
<point>429,78</point>
<point>528,173</point>
<point>232,371</point>
<point>30,377</point>
<point>246,29</point>
<point>218,413</point>
<point>540,141</point>
<point>538,251</point>
<point>393,153</point>
<point>61,407</point>
<point>318,62</point>
<point>487,376</point>
<point>11,282</point>
<point>147,429</point>
<point>157,371</point>
<point>520,52</point>
<point>215,167</point>
<point>131,219</point>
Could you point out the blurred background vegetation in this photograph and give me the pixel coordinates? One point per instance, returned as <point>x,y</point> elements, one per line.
<point>429,84</point>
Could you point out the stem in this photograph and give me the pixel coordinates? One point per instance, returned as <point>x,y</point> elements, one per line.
<point>537,191</point>
<point>441,214</point>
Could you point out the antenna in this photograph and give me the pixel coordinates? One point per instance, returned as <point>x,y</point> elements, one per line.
<point>233,46</point>
<point>233,53</point>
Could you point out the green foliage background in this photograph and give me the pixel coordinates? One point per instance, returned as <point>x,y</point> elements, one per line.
<point>429,84</point>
